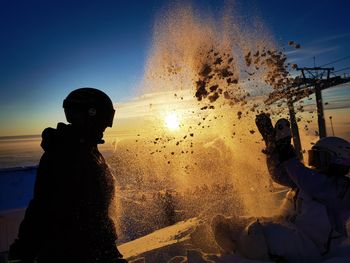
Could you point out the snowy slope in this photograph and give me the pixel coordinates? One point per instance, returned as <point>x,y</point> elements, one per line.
<point>160,241</point>
<point>180,243</point>
<point>176,243</point>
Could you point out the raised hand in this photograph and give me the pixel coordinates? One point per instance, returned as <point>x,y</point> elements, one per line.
<point>265,127</point>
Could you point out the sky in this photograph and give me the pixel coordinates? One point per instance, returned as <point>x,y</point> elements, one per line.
<point>49,48</point>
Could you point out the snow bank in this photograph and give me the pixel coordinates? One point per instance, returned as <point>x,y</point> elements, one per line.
<point>188,242</point>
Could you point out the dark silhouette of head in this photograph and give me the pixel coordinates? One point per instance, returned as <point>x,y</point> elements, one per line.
<point>90,111</point>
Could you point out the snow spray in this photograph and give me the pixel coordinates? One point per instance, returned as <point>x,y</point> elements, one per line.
<point>212,73</point>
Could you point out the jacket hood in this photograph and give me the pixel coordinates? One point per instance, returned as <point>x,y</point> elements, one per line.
<point>64,135</point>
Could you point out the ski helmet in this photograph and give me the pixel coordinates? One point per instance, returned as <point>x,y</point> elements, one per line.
<point>89,105</point>
<point>330,151</point>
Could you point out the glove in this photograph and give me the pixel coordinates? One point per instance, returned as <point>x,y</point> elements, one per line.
<point>111,255</point>
<point>15,252</point>
<point>18,254</point>
<point>264,125</point>
<point>121,260</point>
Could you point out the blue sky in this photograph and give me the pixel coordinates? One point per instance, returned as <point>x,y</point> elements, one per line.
<point>50,47</point>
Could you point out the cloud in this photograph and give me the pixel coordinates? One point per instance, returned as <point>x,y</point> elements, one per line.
<point>330,38</point>
<point>146,105</point>
<point>321,46</point>
<point>304,54</point>
<point>312,50</point>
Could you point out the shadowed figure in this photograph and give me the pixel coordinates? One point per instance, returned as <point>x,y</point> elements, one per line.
<point>67,220</point>
<point>311,225</point>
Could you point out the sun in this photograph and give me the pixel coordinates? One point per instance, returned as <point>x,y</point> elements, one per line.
<point>172,121</point>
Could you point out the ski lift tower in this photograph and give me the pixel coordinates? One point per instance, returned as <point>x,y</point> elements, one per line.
<point>312,80</point>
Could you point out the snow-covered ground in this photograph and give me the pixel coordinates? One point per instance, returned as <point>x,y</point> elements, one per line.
<point>186,241</point>
<point>189,242</point>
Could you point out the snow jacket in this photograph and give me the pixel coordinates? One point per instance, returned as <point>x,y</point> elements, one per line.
<point>67,219</point>
<point>320,203</point>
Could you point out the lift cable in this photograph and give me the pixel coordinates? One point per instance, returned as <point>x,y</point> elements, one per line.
<point>335,61</point>
<point>341,69</point>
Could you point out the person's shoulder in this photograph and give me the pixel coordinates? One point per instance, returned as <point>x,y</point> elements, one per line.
<point>47,133</point>
<point>50,136</point>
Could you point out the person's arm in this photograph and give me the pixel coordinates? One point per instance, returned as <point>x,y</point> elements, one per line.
<point>25,247</point>
<point>276,151</point>
<point>277,171</point>
<point>316,185</point>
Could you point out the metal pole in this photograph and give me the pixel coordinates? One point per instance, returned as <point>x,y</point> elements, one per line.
<point>295,130</point>
<point>330,117</point>
<point>320,115</point>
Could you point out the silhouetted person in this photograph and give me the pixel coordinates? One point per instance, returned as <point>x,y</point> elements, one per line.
<point>67,219</point>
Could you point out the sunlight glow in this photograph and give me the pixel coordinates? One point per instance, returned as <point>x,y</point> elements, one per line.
<point>172,121</point>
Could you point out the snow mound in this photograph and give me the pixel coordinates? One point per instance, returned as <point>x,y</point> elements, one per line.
<point>189,241</point>
<point>161,240</point>
<point>177,244</point>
